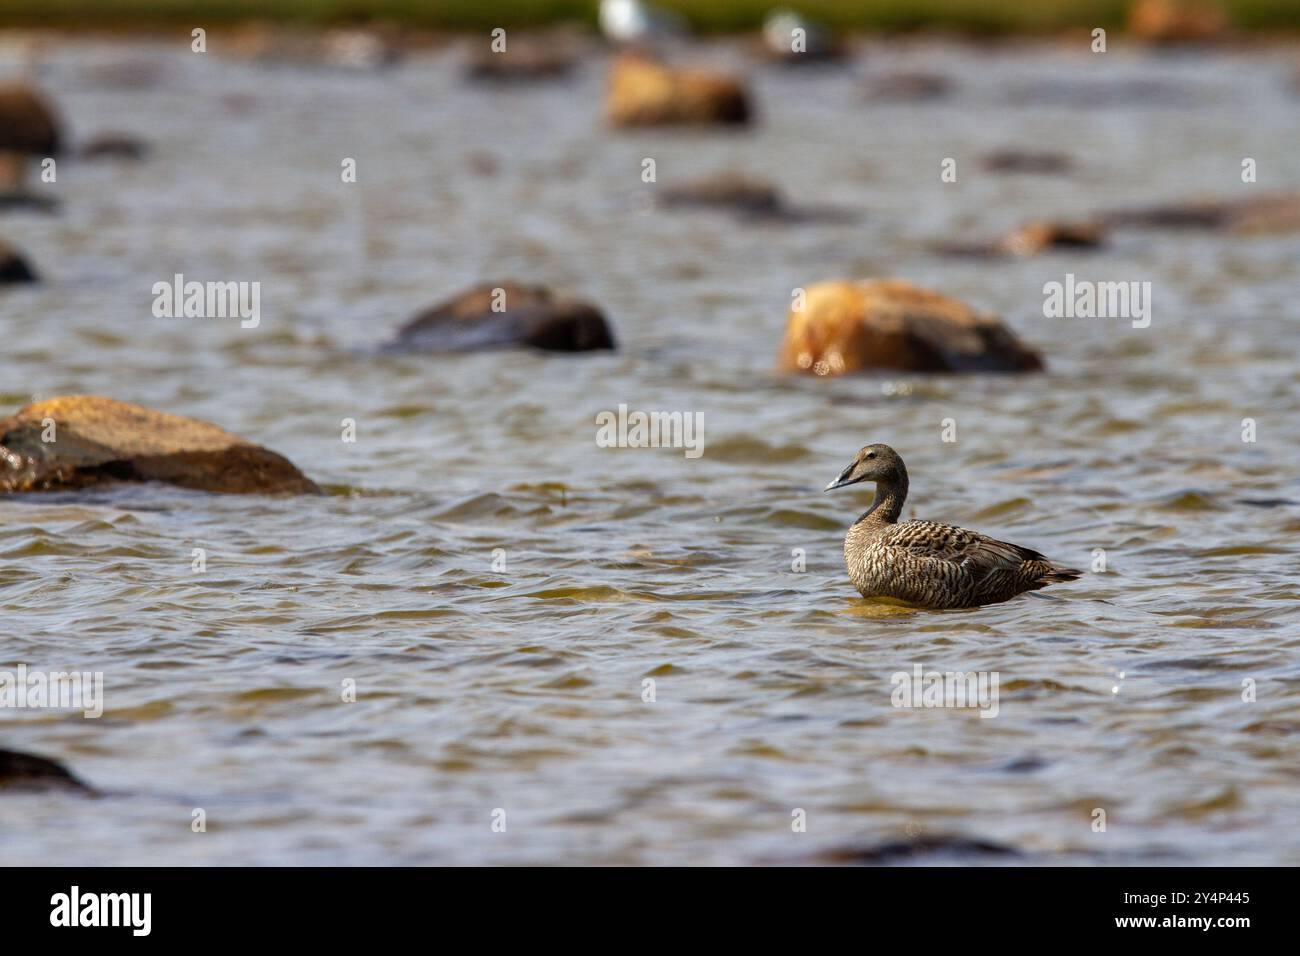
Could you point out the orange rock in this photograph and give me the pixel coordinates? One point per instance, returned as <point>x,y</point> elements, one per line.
<point>28,124</point>
<point>888,323</point>
<point>1177,21</point>
<point>644,92</point>
<point>81,440</point>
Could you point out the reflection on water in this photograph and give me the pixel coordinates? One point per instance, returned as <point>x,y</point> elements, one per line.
<point>520,685</point>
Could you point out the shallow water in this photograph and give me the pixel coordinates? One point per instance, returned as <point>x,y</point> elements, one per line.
<point>521,689</point>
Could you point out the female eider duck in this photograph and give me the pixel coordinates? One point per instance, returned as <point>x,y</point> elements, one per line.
<point>925,563</point>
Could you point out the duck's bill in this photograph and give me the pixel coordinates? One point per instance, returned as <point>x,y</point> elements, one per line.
<point>845,478</point>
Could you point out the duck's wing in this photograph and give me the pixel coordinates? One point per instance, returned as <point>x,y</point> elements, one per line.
<point>954,567</point>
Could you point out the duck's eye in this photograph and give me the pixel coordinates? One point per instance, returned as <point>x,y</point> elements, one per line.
<point>871,454</point>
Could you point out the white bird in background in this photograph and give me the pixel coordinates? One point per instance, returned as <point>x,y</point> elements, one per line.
<point>630,21</point>
<point>779,28</point>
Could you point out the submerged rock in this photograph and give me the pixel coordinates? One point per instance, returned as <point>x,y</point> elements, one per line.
<point>729,191</point>
<point>888,323</point>
<point>791,39</point>
<point>505,314</point>
<point>113,146</point>
<point>904,87</point>
<point>645,92</point>
<point>1027,161</point>
<point>1177,21</point>
<point>1043,235</point>
<point>523,59</point>
<point>28,124</point>
<point>1276,212</point>
<point>919,850</point>
<point>82,440</point>
<point>13,267</point>
<point>30,773</point>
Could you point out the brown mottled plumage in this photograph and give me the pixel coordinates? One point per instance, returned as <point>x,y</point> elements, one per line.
<point>926,563</point>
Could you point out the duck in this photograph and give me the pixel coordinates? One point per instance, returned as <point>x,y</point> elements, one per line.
<point>927,564</point>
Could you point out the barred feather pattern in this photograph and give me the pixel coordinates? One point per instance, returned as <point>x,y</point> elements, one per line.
<point>935,565</point>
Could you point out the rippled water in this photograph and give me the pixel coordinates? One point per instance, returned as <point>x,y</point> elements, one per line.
<point>521,689</point>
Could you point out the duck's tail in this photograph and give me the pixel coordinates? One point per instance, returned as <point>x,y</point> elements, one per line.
<point>1059,575</point>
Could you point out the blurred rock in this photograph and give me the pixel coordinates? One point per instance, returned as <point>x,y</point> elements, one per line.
<point>1269,213</point>
<point>503,315</point>
<point>28,123</point>
<point>813,43</point>
<point>113,146</point>
<point>29,773</point>
<point>1042,235</point>
<point>908,87</point>
<point>752,199</point>
<point>920,849</point>
<point>888,323</point>
<point>1027,161</point>
<point>644,92</point>
<point>524,59</point>
<point>1177,21</point>
<point>98,440</point>
<point>13,267</point>
<point>350,48</point>
<point>732,192</point>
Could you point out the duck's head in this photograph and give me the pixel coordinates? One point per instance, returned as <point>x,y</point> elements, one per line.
<point>872,463</point>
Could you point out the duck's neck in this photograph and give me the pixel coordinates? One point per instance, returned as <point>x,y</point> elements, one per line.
<point>890,495</point>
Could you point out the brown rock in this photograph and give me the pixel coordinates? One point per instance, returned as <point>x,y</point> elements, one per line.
<point>13,267</point>
<point>113,146</point>
<point>644,92</point>
<point>99,440</point>
<point>28,124</point>
<point>525,315</point>
<point>1177,21</point>
<point>888,323</point>
<point>1043,235</point>
<point>523,59</point>
<point>1269,213</point>
<point>1027,161</point>
<point>730,191</point>
<point>908,87</point>
<point>30,773</point>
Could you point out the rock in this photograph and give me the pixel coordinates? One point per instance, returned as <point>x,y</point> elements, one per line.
<point>1043,235</point>
<point>644,92</point>
<point>1270,213</point>
<point>524,59</point>
<point>1177,21</point>
<point>30,773</point>
<point>922,849</point>
<point>1027,161</point>
<point>345,48</point>
<point>113,146</point>
<point>526,315</point>
<point>13,267</point>
<point>888,323</point>
<point>97,440</point>
<point>730,191</point>
<point>28,124</point>
<point>814,44</point>
<point>908,87</point>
